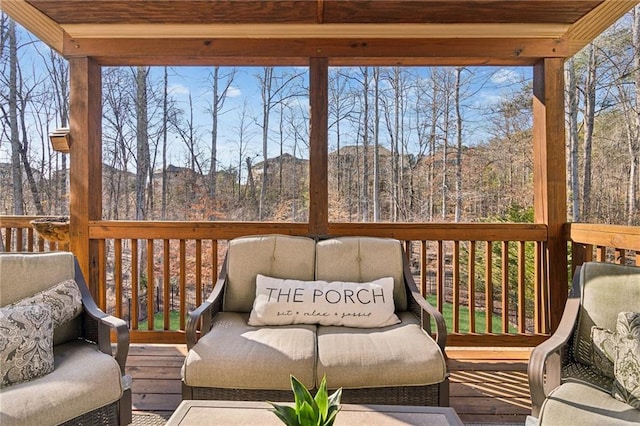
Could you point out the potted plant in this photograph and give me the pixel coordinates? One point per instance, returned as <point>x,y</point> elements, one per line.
<point>320,410</point>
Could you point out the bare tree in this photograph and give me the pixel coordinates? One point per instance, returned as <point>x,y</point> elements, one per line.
<point>16,168</point>
<point>589,120</point>
<point>143,158</point>
<point>217,105</point>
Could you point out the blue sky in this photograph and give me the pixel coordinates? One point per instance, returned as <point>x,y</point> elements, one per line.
<point>489,86</point>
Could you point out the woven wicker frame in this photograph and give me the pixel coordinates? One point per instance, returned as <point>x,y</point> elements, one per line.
<point>428,395</point>
<point>398,395</point>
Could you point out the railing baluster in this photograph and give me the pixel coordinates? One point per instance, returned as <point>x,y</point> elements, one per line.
<point>214,263</point>
<point>440,277</point>
<point>471,287</point>
<point>522,319</point>
<point>183,283</point>
<point>133,311</point>
<point>505,287</point>
<point>7,239</point>
<point>488,286</point>
<point>30,239</point>
<point>102,275</point>
<point>117,271</point>
<point>198,272</point>
<point>19,240</point>
<point>456,286</point>
<point>166,294</point>
<point>537,290</point>
<point>150,286</point>
<point>423,268</point>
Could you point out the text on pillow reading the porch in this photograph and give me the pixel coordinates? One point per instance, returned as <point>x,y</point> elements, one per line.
<point>361,296</point>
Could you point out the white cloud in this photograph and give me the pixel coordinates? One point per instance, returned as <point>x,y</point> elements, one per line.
<point>178,89</point>
<point>505,76</point>
<point>234,92</point>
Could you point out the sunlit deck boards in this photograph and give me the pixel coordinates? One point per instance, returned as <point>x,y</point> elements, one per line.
<point>487,385</point>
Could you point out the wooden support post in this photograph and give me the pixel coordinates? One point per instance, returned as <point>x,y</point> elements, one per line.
<point>85,172</point>
<point>550,193</point>
<point>318,148</point>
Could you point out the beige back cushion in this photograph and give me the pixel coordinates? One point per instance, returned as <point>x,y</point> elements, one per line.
<point>607,289</point>
<point>362,259</point>
<point>278,256</point>
<point>25,274</point>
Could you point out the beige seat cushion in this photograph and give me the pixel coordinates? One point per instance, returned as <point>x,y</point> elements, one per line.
<point>362,259</point>
<point>278,256</point>
<point>580,404</point>
<point>398,355</point>
<point>83,379</point>
<point>236,355</point>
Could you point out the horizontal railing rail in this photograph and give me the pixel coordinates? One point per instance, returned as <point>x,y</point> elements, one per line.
<point>488,279</point>
<point>19,235</point>
<point>603,243</point>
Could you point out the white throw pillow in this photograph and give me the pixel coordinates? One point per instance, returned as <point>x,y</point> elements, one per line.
<point>363,305</point>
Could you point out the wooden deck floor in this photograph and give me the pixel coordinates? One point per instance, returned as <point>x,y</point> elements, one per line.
<point>487,385</point>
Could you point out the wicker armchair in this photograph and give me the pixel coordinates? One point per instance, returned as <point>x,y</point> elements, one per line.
<point>88,384</point>
<point>568,386</point>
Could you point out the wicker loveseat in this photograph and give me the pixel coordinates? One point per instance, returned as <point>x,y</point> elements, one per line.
<point>573,376</point>
<point>395,364</point>
<point>48,320</point>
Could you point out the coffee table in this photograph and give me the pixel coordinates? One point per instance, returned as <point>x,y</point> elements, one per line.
<point>194,413</point>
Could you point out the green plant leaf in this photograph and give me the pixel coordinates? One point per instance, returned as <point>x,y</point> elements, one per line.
<point>286,414</point>
<point>331,417</point>
<point>322,399</point>
<point>334,399</point>
<point>307,415</point>
<point>301,394</point>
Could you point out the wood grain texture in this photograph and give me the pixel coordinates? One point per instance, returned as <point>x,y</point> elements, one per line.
<point>85,171</point>
<point>332,11</point>
<point>318,146</point>
<point>487,385</point>
<point>549,162</point>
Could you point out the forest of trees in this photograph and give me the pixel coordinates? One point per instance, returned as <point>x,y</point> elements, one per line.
<point>410,144</point>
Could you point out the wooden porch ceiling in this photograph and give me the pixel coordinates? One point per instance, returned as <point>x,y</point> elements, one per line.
<point>383,32</point>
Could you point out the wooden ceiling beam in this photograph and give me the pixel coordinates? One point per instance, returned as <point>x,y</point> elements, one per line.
<point>38,23</point>
<point>286,51</point>
<point>306,31</point>
<point>585,30</point>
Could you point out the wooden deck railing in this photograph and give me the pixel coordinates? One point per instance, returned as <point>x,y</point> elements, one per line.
<point>603,243</point>
<point>18,235</point>
<point>486,278</point>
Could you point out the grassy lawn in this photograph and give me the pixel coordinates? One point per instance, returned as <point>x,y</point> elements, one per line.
<point>174,319</point>
<point>447,312</point>
<point>158,321</point>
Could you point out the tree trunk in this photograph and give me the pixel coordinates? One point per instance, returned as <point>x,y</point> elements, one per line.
<point>376,144</point>
<point>589,117</point>
<point>634,146</point>
<point>142,142</point>
<point>572,124</point>
<point>266,111</point>
<point>16,168</point>
<point>458,209</point>
<point>165,120</point>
